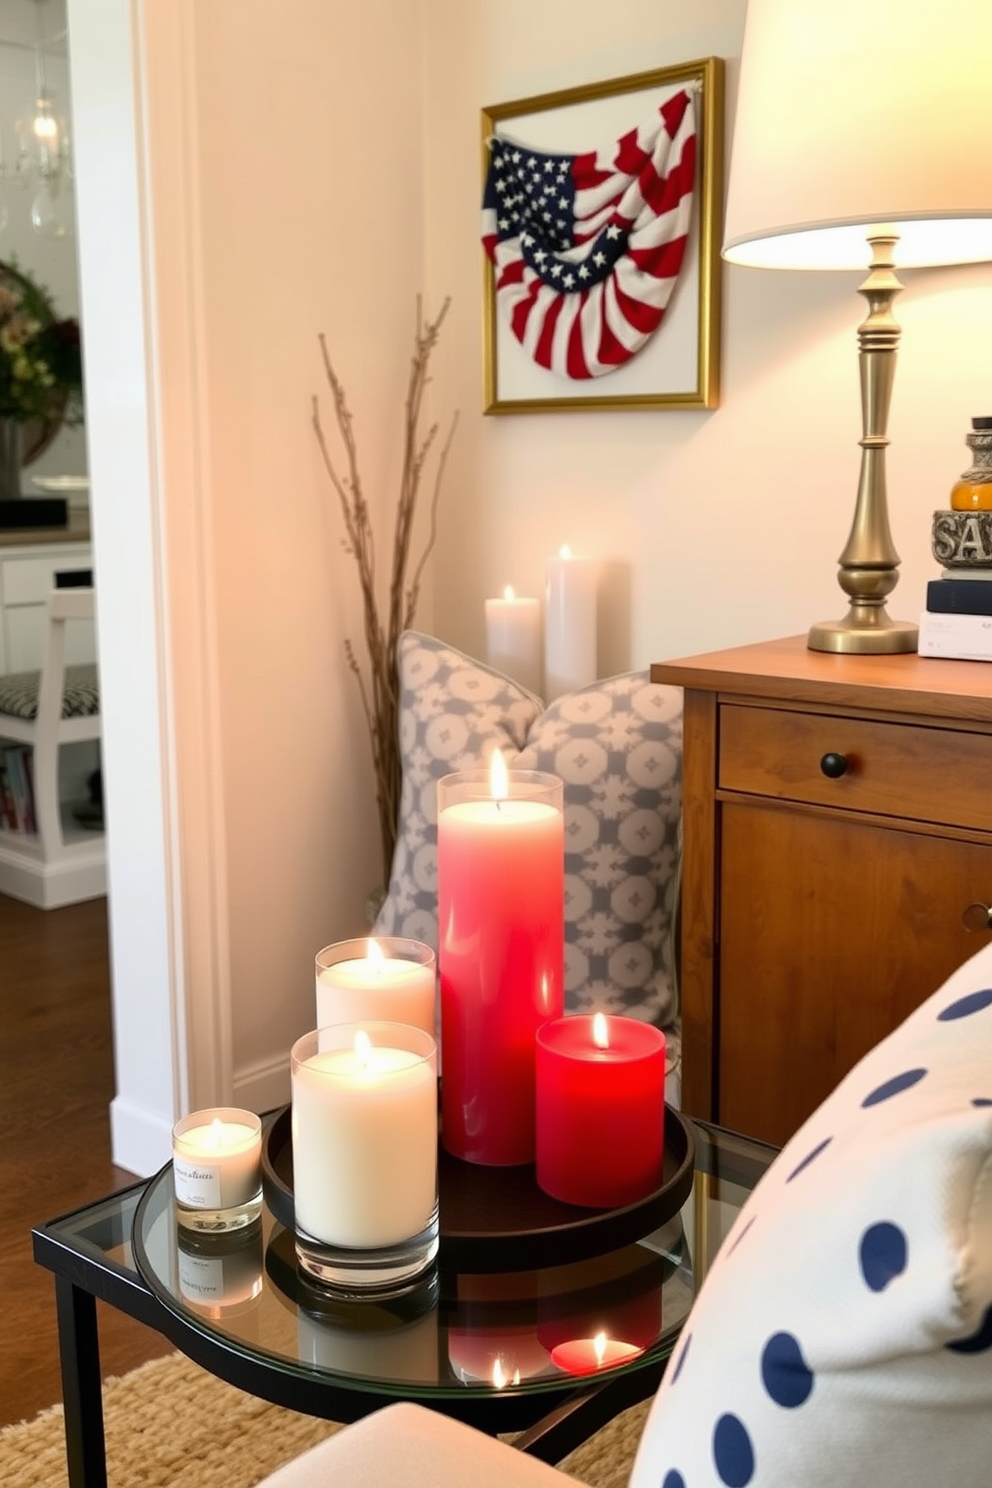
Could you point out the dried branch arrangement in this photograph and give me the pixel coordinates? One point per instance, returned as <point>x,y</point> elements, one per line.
<point>379,682</point>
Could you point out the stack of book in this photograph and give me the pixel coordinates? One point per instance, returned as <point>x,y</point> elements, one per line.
<point>957,621</point>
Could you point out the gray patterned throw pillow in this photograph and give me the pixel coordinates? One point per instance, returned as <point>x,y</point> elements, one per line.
<point>617,746</point>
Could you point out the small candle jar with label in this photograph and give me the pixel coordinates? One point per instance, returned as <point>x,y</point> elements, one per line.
<point>217,1169</point>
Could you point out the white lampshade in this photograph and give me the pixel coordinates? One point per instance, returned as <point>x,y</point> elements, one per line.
<point>854,114</point>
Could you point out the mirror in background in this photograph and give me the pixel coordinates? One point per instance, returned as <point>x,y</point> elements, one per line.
<point>37,215</point>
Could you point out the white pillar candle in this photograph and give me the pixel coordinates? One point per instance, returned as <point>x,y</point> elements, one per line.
<point>388,979</point>
<point>216,1159</point>
<point>569,624</point>
<point>364,1123</point>
<point>513,638</point>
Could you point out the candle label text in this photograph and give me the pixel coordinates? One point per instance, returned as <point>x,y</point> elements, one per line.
<point>201,1278</point>
<point>197,1184</point>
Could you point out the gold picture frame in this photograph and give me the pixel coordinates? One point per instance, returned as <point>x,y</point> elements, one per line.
<point>679,367</point>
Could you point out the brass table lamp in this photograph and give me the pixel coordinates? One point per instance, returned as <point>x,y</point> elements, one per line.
<point>864,124</point>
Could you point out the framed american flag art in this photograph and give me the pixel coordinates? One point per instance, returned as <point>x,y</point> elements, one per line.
<point>601,227</point>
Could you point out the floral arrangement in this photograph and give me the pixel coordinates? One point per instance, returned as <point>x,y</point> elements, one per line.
<point>41,375</point>
<point>379,686</point>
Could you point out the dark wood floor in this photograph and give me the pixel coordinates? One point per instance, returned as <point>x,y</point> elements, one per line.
<point>56,1084</point>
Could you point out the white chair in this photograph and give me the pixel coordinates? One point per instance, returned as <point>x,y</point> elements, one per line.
<point>47,709</point>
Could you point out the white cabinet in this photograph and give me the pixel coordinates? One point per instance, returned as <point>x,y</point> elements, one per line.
<point>27,577</point>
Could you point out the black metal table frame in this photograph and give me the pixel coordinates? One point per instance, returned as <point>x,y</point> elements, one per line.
<point>552,1422</point>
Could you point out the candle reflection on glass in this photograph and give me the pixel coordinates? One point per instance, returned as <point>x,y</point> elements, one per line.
<point>588,1355</point>
<point>218,1280</point>
<point>600,1327</point>
<point>492,1329</point>
<point>380,1349</point>
<point>502,1354</point>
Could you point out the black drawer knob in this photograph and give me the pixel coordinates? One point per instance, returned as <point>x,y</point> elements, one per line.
<point>834,765</point>
<point>977,917</point>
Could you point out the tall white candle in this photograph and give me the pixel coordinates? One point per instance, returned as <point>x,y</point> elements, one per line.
<point>569,624</point>
<point>389,980</point>
<point>513,638</point>
<point>364,1123</point>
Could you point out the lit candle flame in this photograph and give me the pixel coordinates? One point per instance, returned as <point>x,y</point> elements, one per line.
<point>600,1032</point>
<point>564,551</point>
<point>498,782</point>
<point>375,956</point>
<point>500,1377</point>
<point>599,1344</point>
<point>508,592</point>
<point>363,1047</point>
<point>216,1132</point>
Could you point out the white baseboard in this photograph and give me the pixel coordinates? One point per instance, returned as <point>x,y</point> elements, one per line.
<point>81,874</point>
<point>140,1140</point>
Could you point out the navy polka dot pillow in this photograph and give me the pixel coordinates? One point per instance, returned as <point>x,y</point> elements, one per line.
<point>844,1332</point>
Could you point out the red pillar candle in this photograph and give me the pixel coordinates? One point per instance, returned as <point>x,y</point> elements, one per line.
<point>600,1110</point>
<point>501,931</point>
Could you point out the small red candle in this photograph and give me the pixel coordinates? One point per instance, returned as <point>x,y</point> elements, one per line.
<point>600,1110</point>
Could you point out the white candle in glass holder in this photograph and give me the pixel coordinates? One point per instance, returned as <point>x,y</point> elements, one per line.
<point>513,638</point>
<point>364,1122</point>
<point>569,623</point>
<point>386,979</point>
<point>216,1158</point>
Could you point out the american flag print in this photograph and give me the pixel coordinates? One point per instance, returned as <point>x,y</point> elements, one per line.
<point>587,249</point>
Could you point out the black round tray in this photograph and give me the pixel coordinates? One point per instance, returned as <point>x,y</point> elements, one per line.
<point>498,1219</point>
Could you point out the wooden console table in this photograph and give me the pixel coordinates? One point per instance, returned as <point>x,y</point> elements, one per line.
<point>837,863</point>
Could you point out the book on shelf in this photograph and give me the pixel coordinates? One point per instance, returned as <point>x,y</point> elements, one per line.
<point>18,767</point>
<point>956,596</point>
<point>8,813</point>
<point>956,637</point>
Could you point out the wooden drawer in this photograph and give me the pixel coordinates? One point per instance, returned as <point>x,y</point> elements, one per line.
<point>894,769</point>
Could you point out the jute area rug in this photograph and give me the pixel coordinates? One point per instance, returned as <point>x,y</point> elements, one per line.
<point>170,1424</point>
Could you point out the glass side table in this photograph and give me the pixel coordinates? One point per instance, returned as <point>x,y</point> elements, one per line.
<point>552,1353</point>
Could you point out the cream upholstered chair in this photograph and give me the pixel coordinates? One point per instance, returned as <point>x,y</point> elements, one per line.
<point>46,709</point>
<point>843,1334</point>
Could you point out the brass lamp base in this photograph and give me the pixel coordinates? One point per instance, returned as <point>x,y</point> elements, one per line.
<point>885,637</point>
<point>869,564</point>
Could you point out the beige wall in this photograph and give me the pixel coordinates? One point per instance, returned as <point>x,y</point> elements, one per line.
<point>309,218</point>
<point>717,527</point>
<point>308,166</point>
